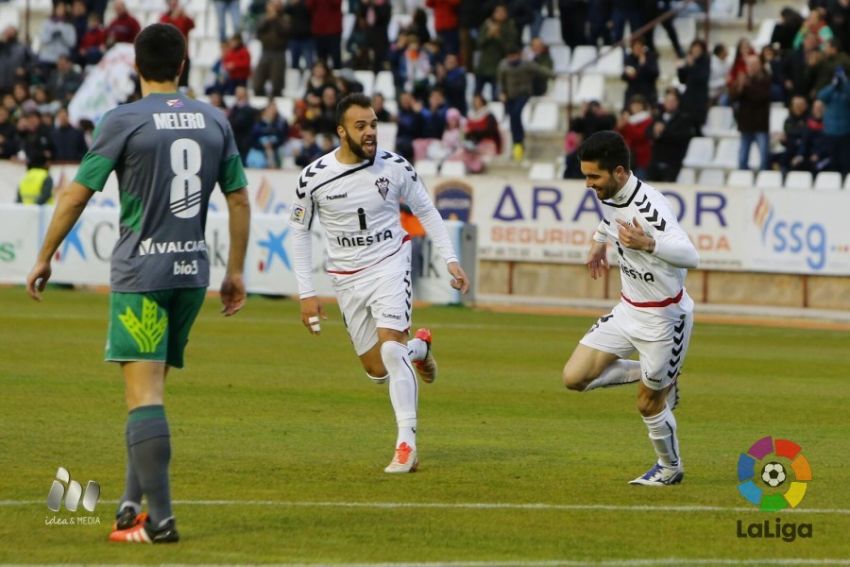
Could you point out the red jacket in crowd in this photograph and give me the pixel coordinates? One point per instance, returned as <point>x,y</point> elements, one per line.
<point>182,22</point>
<point>94,37</point>
<point>326,17</point>
<point>445,13</point>
<point>237,62</point>
<point>635,134</point>
<point>124,29</point>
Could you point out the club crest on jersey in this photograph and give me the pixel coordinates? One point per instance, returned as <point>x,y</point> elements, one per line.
<point>383,185</point>
<point>174,103</point>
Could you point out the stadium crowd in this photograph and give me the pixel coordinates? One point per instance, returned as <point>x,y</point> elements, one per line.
<point>804,68</point>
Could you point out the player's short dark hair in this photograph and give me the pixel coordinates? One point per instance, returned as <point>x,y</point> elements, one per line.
<point>606,148</point>
<point>355,99</point>
<point>160,50</point>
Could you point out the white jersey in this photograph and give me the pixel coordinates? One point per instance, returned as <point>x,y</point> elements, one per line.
<point>358,208</point>
<point>656,279</point>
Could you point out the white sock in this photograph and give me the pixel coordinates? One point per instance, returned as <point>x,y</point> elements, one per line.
<point>404,391</point>
<point>417,349</point>
<point>662,433</point>
<point>619,372</point>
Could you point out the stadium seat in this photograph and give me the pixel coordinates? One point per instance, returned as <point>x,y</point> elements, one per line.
<point>560,58</point>
<point>385,84</point>
<point>687,176</point>
<point>712,177</point>
<point>727,153</point>
<point>764,34</point>
<point>847,183</point>
<point>755,157</point>
<point>207,52</point>
<point>426,167</point>
<point>611,63</point>
<point>778,114</point>
<point>544,117</point>
<point>700,152</point>
<point>828,181</point>
<point>725,10</point>
<point>720,123</point>
<point>542,171</point>
<point>743,178</point>
<point>293,88</point>
<point>559,91</point>
<point>367,79</point>
<point>497,107</point>
<point>550,31</point>
<point>452,169</point>
<point>285,107</point>
<point>348,21</point>
<point>591,87</point>
<point>769,179</point>
<point>386,135</point>
<point>582,55</point>
<point>799,180</point>
<point>397,23</point>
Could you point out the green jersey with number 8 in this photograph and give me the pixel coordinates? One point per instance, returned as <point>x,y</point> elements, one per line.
<point>168,152</point>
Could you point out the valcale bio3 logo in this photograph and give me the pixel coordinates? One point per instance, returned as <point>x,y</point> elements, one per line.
<point>773,475</point>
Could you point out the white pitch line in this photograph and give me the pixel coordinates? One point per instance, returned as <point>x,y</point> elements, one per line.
<point>688,509</point>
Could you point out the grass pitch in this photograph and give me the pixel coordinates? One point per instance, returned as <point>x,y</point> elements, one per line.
<point>279,443</point>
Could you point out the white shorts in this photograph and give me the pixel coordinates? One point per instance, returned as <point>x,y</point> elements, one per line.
<point>661,347</point>
<point>384,300</point>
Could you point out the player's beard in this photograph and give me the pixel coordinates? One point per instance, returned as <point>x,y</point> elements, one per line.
<point>608,190</point>
<point>358,149</point>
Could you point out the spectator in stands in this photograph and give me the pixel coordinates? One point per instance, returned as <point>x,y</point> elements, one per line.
<point>237,64</point>
<point>752,94</point>
<point>377,14</point>
<point>300,37</point>
<point>793,137</point>
<point>324,122</point>
<point>818,154</point>
<point>223,9</point>
<point>470,17</point>
<point>273,33</point>
<point>433,122</point>
<point>36,188</point>
<point>671,132</point>
<point>267,137</point>
<point>36,141</point>
<point>14,59</point>
<point>310,150</point>
<point>836,120</point>
<point>824,70</point>
<point>774,67</point>
<point>739,63</point>
<point>446,23</point>
<point>380,109</point>
<point>326,26</point>
<point>540,56</point>
<point>651,10</point>
<point>694,75</point>
<point>799,67</point>
<point>516,79</point>
<point>573,16</point>
<point>64,80</point>
<point>626,11</point>
<point>415,68</point>
<point>69,142</point>
<point>419,26</point>
<point>721,64</point>
<point>44,105</point>
<point>411,124</point>
<point>640,72</point>
<point>634,125</point>
<point>58,37</point>
<point>217,100</point>
<point>79,19</point>
<point>839,21</point>
<point>9,143</point>
<point>521,13</point>
<point>451,79</point>
<point>496,38</point>
<point>816,24</point>
<point>482,128</point>
<point>320,77</point>
<point>177,17</point>
<point>242,117</point>
<point>600,22</point>
<point>92,44</point>
<point>124,28</point>
<point>786,29</point>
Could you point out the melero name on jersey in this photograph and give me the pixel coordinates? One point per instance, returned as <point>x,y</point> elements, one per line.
<point>364,240</point>
<point>179,120</point>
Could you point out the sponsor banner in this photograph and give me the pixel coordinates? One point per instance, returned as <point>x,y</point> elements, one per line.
<point>83,257</point>
<point>798,232</point>
<point>19,240</point>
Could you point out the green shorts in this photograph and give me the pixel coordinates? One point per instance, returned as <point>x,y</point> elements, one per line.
<point>152,325</point>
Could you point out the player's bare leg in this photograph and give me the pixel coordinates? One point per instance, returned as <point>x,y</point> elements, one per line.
<point>149,452</point>
<point>586,365</point>
<point>661,423</point>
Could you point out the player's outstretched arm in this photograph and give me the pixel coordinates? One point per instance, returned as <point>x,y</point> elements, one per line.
<point>233,294</point>
<point>597,259</point>
<point>68,210</point>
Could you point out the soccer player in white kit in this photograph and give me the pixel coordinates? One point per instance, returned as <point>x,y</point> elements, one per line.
<point>355,192</point>
<point>655,314</point>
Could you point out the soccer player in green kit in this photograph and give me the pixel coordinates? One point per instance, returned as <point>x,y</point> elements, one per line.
<point>168,152</point>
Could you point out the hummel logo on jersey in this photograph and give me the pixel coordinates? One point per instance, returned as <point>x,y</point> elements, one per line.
<point>149,247</point>
<point>340,196</point>
<point>368,240</point>
<point>383,185</point>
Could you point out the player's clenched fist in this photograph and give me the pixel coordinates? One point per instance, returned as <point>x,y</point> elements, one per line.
<point>312,314</point>
<point>631,235</point>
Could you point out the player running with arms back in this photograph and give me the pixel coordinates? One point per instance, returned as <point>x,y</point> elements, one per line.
<point>655,315</point>
<point>355,192</point>
<point>168,152</point>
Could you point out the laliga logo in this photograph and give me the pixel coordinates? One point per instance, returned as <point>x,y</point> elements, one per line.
<point>73,494</point>
<point>773,475</point>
